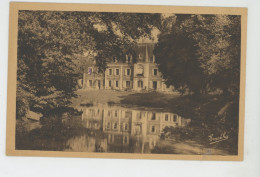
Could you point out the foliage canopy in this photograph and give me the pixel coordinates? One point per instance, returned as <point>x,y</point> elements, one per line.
<point>50,41</point>
<point>200,53</point>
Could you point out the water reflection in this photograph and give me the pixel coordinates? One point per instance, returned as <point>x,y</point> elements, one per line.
<point>104,128</point>
<point>122,129</point>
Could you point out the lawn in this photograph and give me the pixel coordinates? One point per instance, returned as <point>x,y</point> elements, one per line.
<point>85,97</point>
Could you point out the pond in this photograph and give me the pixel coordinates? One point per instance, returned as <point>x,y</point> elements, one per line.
<point>112,128</point>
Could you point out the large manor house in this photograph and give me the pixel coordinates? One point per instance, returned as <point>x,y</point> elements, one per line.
<point>142,75</point>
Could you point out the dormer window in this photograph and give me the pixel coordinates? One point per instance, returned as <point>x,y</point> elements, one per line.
<point>129,58</point>
<point>115,59</point>
<point>155,72</point>
<point>90,70</point>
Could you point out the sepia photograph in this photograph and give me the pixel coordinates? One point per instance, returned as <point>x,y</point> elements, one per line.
<point>111,81</point>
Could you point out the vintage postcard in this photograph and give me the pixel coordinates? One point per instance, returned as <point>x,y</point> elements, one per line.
<point>126,81</point>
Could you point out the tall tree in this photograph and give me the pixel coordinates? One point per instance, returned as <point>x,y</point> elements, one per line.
<point>50,41</point>
<point>200,53</point>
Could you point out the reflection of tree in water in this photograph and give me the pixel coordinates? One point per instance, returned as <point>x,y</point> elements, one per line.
<point>207,123</point>
<point>54,135</point>
<point>70,133</point>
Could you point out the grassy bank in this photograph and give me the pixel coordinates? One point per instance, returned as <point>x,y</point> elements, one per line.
<point>97,96</point>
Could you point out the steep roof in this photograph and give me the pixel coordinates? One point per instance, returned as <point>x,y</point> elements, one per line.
<point>144,52</point>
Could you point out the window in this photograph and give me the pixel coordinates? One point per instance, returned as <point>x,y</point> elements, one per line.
<point>108,125</point>
<point>90,70</point>
<point>166,117</point>
<point>155,72</point>
<point>128,114</point>
<point>129,58</point>
<point>127,83</point>
<point>110,71</point>
<point>115,125</point>
<point>109,113</point>
<point>128,72</point>
<point>115,113</point>
<point>110,83</point>
<point>153,129</point>
<point>155,85</point>
<point>140,84</point>
<point>90,83</point>
<point>117,71</point>
<point>116,83</point>
<point>126,126</point>
<point>153,116</point>
<point>175,118</point>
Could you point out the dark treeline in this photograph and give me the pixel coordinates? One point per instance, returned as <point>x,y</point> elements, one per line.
<point>200,56</point>
<point>197,54</point>
<point>201,53</point>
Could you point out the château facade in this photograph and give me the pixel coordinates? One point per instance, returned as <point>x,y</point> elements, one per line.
<point>142,75</point>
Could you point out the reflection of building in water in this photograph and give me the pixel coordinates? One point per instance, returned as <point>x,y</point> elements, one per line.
<point>129,130</point>
<point>93,118</point>
<point>86,144</point>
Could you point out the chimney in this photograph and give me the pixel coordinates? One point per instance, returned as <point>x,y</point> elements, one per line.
<point>146,54</point>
